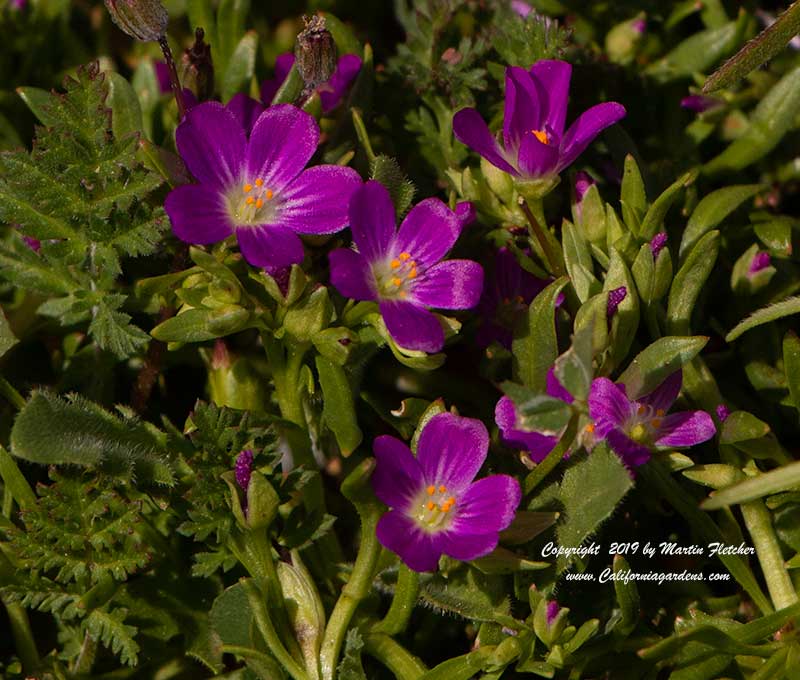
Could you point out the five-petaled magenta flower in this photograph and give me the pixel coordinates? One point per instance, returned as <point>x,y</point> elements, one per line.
<point>534,145</point>
<point>634,427</point>
<point>401,269</point>
<point>508,420</point>
<point>331,93</point>
<point>506,297</point>
<point>435,506</point>
<point>257,188</point>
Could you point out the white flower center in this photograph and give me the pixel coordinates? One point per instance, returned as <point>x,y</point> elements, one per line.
<point>643,423</point>
<point>434,507</point>
<point>252,203</point>
<point>394,277</point>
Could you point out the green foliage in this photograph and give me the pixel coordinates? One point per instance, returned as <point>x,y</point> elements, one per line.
<point>82,192</point>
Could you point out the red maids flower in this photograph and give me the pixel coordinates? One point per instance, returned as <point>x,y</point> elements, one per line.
<point>401,269</point>
<point>257,188</point>
<point>435,506</point>
<point>634,427</point>
<point>534,145</point>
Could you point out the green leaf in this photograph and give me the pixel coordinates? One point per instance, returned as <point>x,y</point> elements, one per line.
<point>791,365</point>
<point>742,426</point>
<point>590,492</point>
<point>633,195</point>
<point>772,119</point>
<point>15,482</point>
<point>699,52</point>
<point>110,629</point>
<point>241,66</point>
<point>53,431</point>
<point>231,617</point>
<point>387,171</point>
<point>7,337</point>
<point>350,667</point>
<point>784,478</point>
<point>535,345</point>
<point>470,595</point>
<point>114,332</point>
<point>579,262</point>
<point>625,322</point>
<point>538,412</point>
<point>231,19</point>
<point>768,314</point>
<point>760,49</point>
<point>338,410</point>
<point>126,112</point>
<point>574,368</point>
<point>627,597</point>
<point>38,101</point>
<point>654,219</point>
<point>712,211</point>
<point>658,361</point>
<point>689,281</point>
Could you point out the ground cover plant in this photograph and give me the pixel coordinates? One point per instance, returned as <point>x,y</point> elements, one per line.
<point>426,339</point>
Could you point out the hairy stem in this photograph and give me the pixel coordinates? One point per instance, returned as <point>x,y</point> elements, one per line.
<point>405,597</point>
<point>175,82</point>
<point>394,656</point>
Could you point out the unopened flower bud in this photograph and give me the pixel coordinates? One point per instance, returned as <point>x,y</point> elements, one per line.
<point>657,243</point>
<point>623,40</point>
<point>244,466</point>
<point>306,613</point>
<point>315,53</point>
<point>549,621</point>
<point>699,103</point>
<point>141,19</point>
<point>197,69</point>
<point>761,260</point>
<point>722,412</point>
<point>615,297</point>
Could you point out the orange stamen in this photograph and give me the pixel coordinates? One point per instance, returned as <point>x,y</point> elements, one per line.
<point>541,135</point>
<point>431,490</point>
<point>259,203</point>
<point>250,200</point>
<point>248,188</point>
<point>259,182</point>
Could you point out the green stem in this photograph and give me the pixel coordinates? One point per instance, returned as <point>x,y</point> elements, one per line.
<point>544,468</point>
<point>250,653</point>
<point>553,260</point>
<point>11,394</point>
<point>265,626</point>
<point>394,656</point>
<point>24,642</point>
<point>85,661</point>
<point>405,597</point>
<point>356,489</point>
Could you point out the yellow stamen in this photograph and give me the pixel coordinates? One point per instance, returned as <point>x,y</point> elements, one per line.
<point>250,200</point>
<point>259,182</point>
<point>395,264</point>
<point>431,490</point>
<point>248,188</point>
<point>541,135</point>
<point>405,256</point>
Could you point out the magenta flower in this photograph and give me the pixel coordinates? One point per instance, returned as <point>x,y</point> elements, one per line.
<point>257,188</point>
<point>401,269</point>
<point>508,420</point>
<point>506,297</point>
<point>244,468</point>
<point>761,260</point>
<point>331,93</point>
<point>521,7</point>
<point>615,298</point>
<point>634,428</point>
<point>533,144</point>
<point>700,103</point>
<point>435,506</point>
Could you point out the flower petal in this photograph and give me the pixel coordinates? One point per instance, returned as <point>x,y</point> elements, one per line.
<point>588,125</point>
<point>664,396</point>
<point>282,141</point>
<point>332,93</point>
<point>397,478</point>
<point>631,453</point>
<point>270,245</point>
<point>212,143</point>
<point>455,284</point>
<point>418,549</point>
<point>553,77</point>
<point>245,109</point>
<point>317,201</point>
<point>451,450</point>
<point>487,506</point>
<point>685,429</point>
<point>523,106</point>
<point>412,327</point>
<point>351,274</point>
<point>556,389</point>
<point>536,159</point>
<point>608,406</point>
<point>428,232</point>
<point>198,214</point>
<point>470,129</point>
<point>372,220</point>
<point>467,547</point>
<point>538,445</point>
